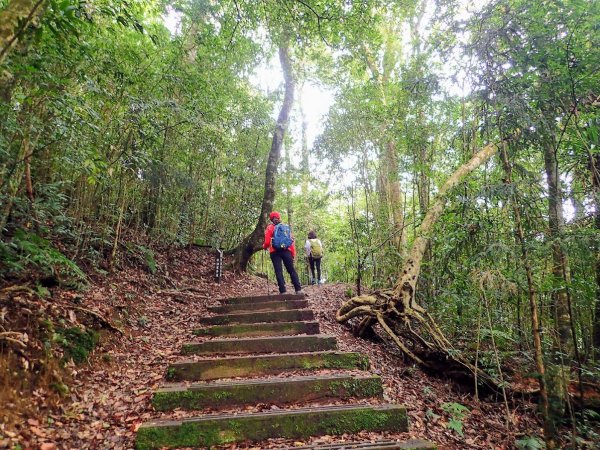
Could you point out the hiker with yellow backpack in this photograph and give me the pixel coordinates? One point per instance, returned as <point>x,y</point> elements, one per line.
<point>314,251</point>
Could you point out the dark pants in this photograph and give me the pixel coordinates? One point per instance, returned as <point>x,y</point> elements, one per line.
<point>285,257</point>
<point>315,262</point>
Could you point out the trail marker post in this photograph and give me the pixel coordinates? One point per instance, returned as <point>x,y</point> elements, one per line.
<point>219,265</point>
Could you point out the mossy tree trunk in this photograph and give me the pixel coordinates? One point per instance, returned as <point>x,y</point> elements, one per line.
<point>253,242</point>
<point>559,372</point>
<point>595,172</point>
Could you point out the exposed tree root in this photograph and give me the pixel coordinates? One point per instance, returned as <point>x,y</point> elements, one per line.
<point>14,338</point>
<point>416,335</point>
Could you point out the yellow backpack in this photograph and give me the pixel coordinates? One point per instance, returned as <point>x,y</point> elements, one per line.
<point>316,249</point>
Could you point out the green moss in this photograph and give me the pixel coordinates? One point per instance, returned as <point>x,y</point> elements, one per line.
<point>191,399</point>
<point>362,387</point>
<point>61,388</point>
<point>346,361</point>
<point>221,395</point>
<point>171,372</point>
<point>234,367</point>
<point>76,342</point>
<point>206,433</point>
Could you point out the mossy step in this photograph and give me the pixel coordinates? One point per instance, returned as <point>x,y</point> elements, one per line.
<point>280,305</point>
<point>260,317</point>
<point>291,424</point>
<point>270,344</point>
<point>272,391</point>
<point>261,329</point>
<point>411,444</point>
<point>261,298</point>
<point>247,366</point>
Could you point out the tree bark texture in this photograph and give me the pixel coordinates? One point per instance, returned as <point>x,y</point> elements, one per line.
<point>595,168</point>
<point>394,196</point>
<point>390,192</point>
<point>558,374</point>
<point>253,242</point>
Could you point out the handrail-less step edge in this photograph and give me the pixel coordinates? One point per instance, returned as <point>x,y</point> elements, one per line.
<point>277,391</point>
<point>258,345</point>
<point>212,430</point>
<point>244,366</point>
<point>261,329</point>
<point>289,315</point>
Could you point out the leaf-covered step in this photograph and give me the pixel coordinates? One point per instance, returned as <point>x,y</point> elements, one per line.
<point>247,366</point>
<point>271,391</point>
<point>260,317</point>
<point>261,329</point>
<point>411,444</point>
<point>261,298</point>
<point>271,344</point>
<point>292,424</point>
<point>280,305</point>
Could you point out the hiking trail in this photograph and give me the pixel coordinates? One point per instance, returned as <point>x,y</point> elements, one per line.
<point>257,350</point>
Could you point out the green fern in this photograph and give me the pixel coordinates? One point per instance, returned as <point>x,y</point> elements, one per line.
<point>30,250</point>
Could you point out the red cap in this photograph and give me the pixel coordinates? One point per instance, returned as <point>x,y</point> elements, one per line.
<point>274,215</point>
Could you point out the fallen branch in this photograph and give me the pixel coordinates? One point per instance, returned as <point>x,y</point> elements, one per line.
<point>104,322</point>
<point>186,290</point>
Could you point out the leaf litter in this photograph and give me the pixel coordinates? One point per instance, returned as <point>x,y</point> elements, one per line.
<point>109,396</point>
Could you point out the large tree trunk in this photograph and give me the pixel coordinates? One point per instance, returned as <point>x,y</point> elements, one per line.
<point>390,192</point>
<point>253,242</point>
<point>14,21</point>
<point>394,196</point>
<point>595,169</point>
<point>407,323</point>
<point>558,374</point>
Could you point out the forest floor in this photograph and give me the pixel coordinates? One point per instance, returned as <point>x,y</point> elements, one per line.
<point>109,396</point>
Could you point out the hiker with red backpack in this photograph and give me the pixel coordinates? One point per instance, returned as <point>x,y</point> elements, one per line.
<point>279,241</point>
<point>314,251</point>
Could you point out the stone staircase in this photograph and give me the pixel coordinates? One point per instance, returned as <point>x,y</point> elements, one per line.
<point>274,343</point>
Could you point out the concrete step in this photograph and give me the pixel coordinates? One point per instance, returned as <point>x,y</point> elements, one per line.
<point>261,298</point>
<point>411,444</point>
<point>280,305</point>
<point>261,329</point>
<point>260,317</point>
<point>271,391</point>
<point>271,344</point>
<point>248,366</point>
<point>214,430</point>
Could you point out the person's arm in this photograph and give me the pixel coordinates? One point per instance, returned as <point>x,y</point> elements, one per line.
<point>268,237</point>
<point>293,249</point>
<point>307,247</point>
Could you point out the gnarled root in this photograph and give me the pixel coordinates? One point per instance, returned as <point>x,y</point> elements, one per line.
<point>356,307</point>
<point>416,335</point>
